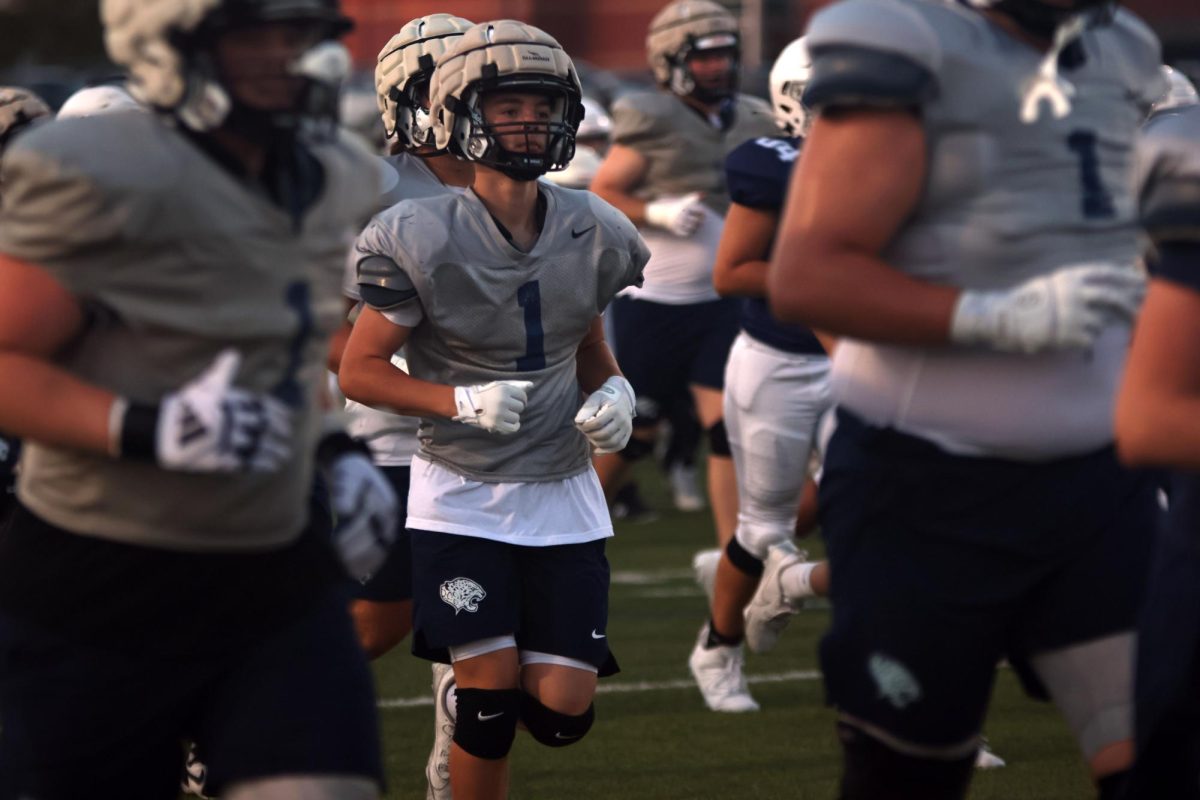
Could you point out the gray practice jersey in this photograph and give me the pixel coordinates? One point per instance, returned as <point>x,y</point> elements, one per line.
<point>1168,176</point>
<point>685,152</point>
<point>175,260</point>
<point>391,437</point>
<point>489,311</point>
<point>1005,199</point>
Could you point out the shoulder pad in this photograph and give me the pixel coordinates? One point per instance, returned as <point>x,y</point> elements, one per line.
<point>872,53</point>
<point>382,282</point>
<point>642,116</point>
<point>1129,39</point>
<point>624,237</point>
<point>1168,174</point>
<point>757,171</point>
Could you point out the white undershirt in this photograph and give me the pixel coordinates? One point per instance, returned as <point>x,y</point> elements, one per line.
<point>533,514</point>
<point>680,269</point>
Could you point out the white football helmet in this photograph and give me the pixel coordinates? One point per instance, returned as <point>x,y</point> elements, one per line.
<point>510,56</point>
<point>581,170</point>
<point>403,71</point>
<point>685,27</point>
<point>18,109</point>
<point>1181,92</point>
<point>789,75</point>
<point>166,47</point>
<point>93,101</point>
<point>597,124</point>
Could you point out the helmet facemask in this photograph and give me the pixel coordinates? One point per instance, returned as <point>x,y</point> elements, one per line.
<point>412,122</point>
<point>685,83</point>
<point>548,145</point>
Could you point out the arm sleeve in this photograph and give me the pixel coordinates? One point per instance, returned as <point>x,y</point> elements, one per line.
<point>871,54</point>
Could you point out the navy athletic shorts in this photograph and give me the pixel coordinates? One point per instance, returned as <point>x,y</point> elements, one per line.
<point>942,565</point>
<point>662,348</point>
<point>552,599</point>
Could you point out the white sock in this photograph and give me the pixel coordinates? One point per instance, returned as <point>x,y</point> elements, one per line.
<point>796,580</point>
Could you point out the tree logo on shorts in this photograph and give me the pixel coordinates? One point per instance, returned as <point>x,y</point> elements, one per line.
<point>896,684</point>
<point>462,594</point>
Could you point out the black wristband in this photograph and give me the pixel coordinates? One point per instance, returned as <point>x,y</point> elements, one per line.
<point>139,432</point>
<point>335,445</point>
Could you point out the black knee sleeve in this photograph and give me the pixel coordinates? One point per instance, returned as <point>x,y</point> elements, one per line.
<point>636,449</point>
<point>743,559</point>
<point>487,721</point>
<point>718,440</point>
<point>553,728</point>
<point>872,770</point>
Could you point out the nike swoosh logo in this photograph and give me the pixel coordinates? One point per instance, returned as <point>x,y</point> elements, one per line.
<point>560,736</point>
<point>597,635</point>
<point>485,717</point>
<point>576,234</point>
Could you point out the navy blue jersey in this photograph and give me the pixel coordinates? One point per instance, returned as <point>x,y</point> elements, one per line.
<point>757,173</point>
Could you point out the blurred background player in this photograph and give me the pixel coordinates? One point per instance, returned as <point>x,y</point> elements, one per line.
<point>1156,427</point>
<point>19,109</point>
<point>507,515</point>
<point>416,168</point>
<point>962,221</point>
<point>776,389</point>
<point>146,260</point>
<point>673,334</point>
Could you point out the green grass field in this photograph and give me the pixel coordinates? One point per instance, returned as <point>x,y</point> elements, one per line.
<point>653,736</point>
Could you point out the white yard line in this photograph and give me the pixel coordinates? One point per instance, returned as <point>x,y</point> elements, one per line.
<point>640,578</point>
<point>627,687</point>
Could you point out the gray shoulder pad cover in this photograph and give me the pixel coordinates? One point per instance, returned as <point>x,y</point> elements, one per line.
<point>872,53</point>
<point>382,283</point>
<point>1168,171</point>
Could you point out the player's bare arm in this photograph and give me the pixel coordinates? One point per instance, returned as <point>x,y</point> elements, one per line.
<point>859,178</point>
<point>1159,401</point>
<point>620,173</point>
<point>594,361</point>
<point>740,269</point>
<point>40,401</point>
<point>368,375</point>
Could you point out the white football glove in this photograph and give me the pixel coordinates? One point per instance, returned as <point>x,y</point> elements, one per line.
<point>681,216</point>
<point>365,507</point>
<point>606,417</point>
<point>496,407</point>
<point>1065,309</point>
<point>209,425</point>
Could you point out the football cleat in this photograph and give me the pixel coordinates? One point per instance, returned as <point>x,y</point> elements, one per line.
<point>685,488</point>
<point>437,769</point>
<point>718,673</point>
<point>770,610</point>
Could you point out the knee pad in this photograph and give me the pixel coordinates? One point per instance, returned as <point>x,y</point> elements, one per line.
<point>872,770</point>
<point>553,728</point>
<point>743,559</point>
<point>487,721</point>
<point>636,449</point>
<point>718,440</point>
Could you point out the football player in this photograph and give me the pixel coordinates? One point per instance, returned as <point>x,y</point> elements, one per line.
<point>663,171</point>
<point>416,168</point>
<point>168,284</point>
<point>776,388</point>
<point>496,295</point>
<point>19,108</point>
<point>1156,426</point>
<point>961,219</point>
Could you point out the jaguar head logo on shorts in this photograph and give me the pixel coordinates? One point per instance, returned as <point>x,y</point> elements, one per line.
<point>895,682</point>
<point>463,594</point>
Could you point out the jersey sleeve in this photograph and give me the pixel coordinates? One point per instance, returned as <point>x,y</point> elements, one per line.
<point>384,280</point>
<point>872,54</point>
<point>757,172</point>
<point>1168,172</point>
<point>636,120</point>
<point>622,253</point>
<point>59,214</point>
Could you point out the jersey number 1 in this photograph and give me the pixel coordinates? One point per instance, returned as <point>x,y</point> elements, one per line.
<point>1097,202</point>
<point>529,298</point>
